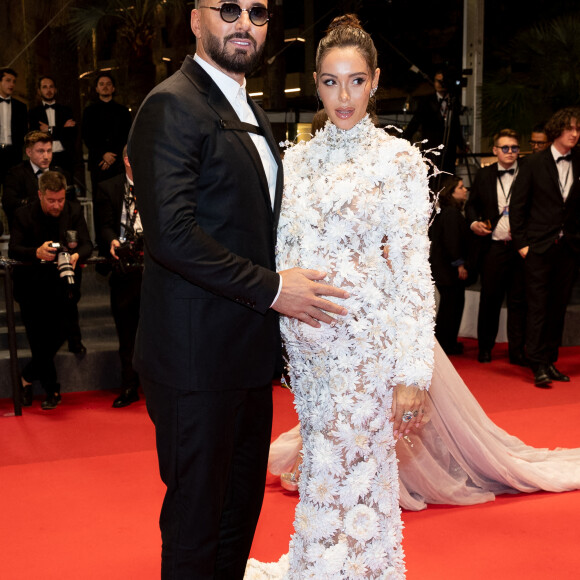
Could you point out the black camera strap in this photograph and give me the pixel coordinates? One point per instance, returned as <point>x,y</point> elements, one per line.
<point>131,211</point>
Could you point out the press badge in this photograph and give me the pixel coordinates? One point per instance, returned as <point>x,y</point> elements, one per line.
<point>506,210</point>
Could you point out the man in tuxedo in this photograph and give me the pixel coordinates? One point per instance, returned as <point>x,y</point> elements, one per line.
<point>437,119</point>
<point>539,140</point>
<point>13,123</point>
<point>105,127</point>
<point>209,181</point>
<point>43,292</point>
<point>501,266</point>
<point>56,119</point>
<point>545,223</point>
<point>121,224</point>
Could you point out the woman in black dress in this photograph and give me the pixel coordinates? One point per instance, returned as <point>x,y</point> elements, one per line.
<point>449,234</point>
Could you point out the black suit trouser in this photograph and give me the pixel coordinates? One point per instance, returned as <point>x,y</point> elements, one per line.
<point>46,329</point>
<point>212,448</point>
<point>502,274</point>
<point>125,302</point>
<point>449,313</point>
<point>549,280</point>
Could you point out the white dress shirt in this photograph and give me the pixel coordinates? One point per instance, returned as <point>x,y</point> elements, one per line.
<point>504,186</point>
<point>565,174</point>
<point>5,123</point>
<point>51,116</point>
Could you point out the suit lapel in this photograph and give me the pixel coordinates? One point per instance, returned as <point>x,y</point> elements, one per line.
<point>265,125</point>
<point>219,103</point>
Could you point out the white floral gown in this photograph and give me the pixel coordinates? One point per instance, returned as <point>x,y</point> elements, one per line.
<point>348,194</point>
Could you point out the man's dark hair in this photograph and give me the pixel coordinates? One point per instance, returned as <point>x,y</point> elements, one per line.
<point>539,128</point>
<point>505,133</point>
<point>560,121</point>
<point>34,137</point>
<point>104,74</point>
<point>52,181</point>
<point>7,71</point>
<point>41,78</point>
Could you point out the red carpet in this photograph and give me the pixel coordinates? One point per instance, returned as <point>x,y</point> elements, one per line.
<point>81,494</point>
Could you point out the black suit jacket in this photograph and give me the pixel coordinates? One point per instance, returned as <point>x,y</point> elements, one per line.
<point>19,124</point>
<point>62,113</point>
<point>210,231</point>
<point>537,211</point>
<point>18,128</point>
<point>105,127</point>
<point>29,231</point>
<point>21,188</point>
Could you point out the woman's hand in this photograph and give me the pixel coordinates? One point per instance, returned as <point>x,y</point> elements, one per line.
<point>385,249</point>
<point>408,410</point>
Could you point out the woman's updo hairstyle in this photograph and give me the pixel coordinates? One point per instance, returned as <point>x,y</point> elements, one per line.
<point>345,31</point>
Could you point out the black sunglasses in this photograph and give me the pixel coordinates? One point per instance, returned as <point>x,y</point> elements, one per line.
<point>506,148</point>
<point>230,12</point>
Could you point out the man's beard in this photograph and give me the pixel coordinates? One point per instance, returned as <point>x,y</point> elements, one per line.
<point>241,61</point>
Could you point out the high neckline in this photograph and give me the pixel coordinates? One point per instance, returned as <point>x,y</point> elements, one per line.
<point>347,137</point>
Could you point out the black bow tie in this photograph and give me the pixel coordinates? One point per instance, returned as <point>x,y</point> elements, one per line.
<point>47,106</point>
<point>564,158</point>
<point>5,100</point>
<point>502,172</point>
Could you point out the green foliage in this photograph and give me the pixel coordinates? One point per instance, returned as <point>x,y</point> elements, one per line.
<point>544,76</point>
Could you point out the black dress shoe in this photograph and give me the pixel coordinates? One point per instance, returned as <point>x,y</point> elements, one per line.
<point>484,356</point>
<point>51,402</point>
<point>556,375</point>
<point>542,378</point>
<point>127,397</point>
<point>77,348</point>
<point>26,395</point>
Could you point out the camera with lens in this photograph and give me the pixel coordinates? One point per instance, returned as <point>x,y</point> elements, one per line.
<point>130,254</point>
<point>63,263</point>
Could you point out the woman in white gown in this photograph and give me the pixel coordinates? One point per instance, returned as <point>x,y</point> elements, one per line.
<point>356,206</point>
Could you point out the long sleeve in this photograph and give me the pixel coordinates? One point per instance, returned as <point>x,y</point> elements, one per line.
<point>411,305</point>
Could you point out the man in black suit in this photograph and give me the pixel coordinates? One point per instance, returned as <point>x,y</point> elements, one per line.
<point>41,289</point>
<point>121,224</point>
<point>545,223</point>
<point>56,119</point>
<point>437,119</point>
<point>13,123</point>
<point>209,182</point>
<point>105,127</point>
<point>501,266</point>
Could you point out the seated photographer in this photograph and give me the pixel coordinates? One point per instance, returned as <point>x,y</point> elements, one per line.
<point>46,287</point>
<point>122,238</point>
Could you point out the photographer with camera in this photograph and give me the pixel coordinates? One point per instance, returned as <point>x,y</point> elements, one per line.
<point>437,120</point>
<point>122,238</point>
<point>46,287</point>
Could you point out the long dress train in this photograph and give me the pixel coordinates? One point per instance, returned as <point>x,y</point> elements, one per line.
<point>460,457</point>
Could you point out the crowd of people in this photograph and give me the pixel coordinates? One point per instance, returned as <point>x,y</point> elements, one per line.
<point>524,246</point>
<point>47,224</point>
<point>327,253</point>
